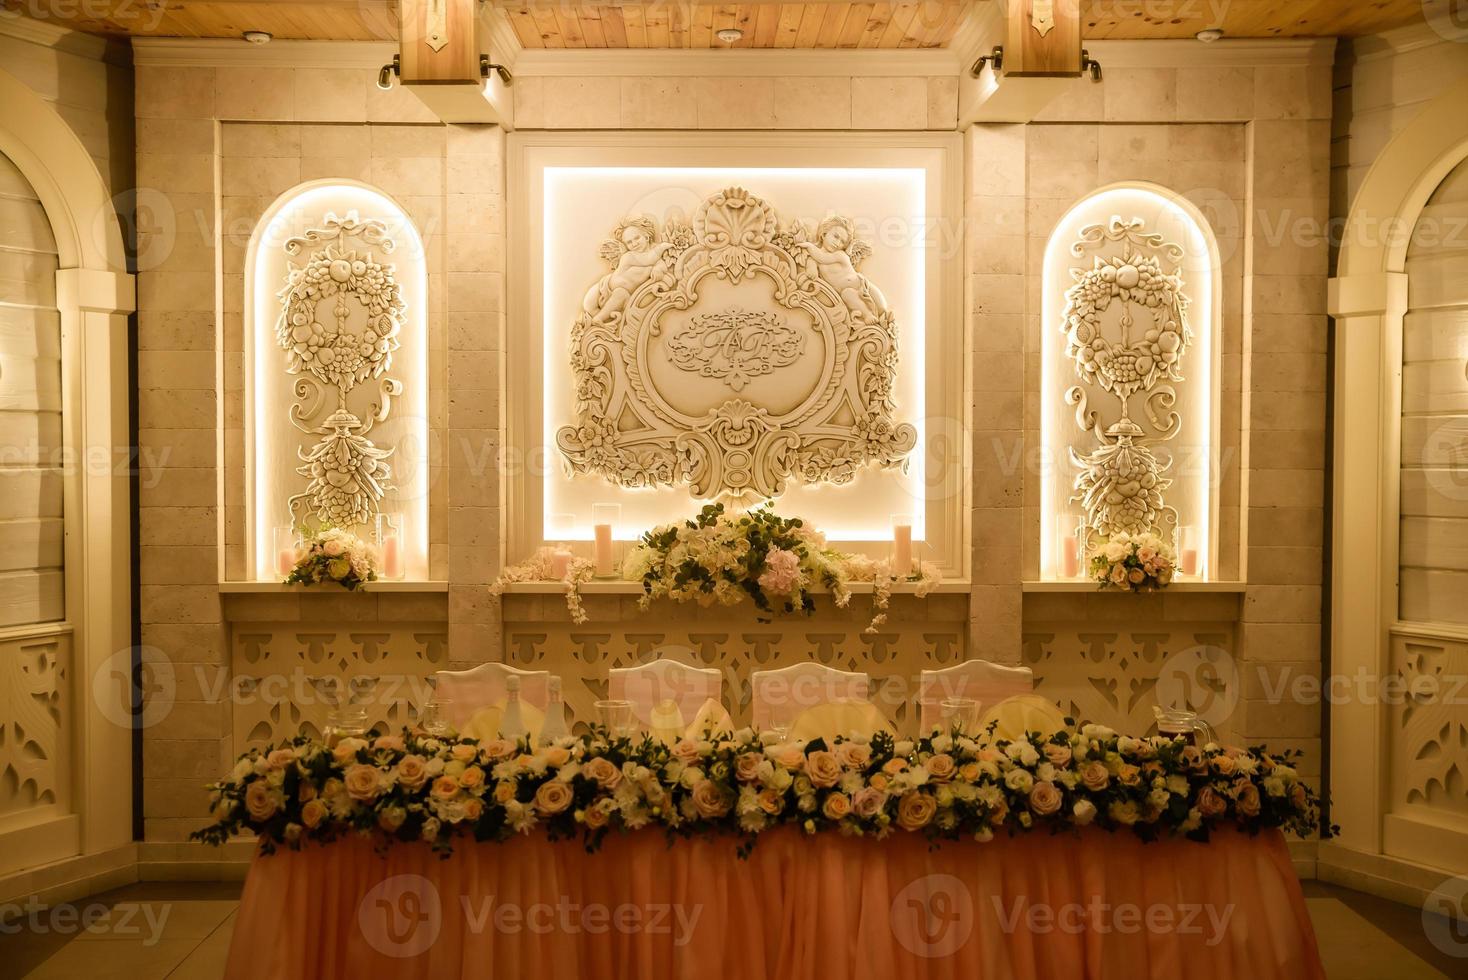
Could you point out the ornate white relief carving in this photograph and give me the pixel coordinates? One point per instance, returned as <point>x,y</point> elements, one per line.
<point>34,720</point>
<point>1429,725</point>
<point>352,344</point>
<point>1121,483</point>
<point>733,300</point>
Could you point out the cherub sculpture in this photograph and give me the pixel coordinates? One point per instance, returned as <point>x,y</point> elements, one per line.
<point>834,256</point>
<point>635,255</point>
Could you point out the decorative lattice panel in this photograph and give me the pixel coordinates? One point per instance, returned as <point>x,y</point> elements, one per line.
<point>1428,702</point>
<point>35,718</point>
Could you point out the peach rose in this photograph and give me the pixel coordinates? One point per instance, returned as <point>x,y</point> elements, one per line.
<point>603,771</point>
<point>1246,799</point>
<point>361,782</point>
<point>553,797</point>
<point>941,767</point>
<point>1135,576</point>
<point>280,758</point>
<point>305,792</point>
<point>868,802</point>
<point>1129,775</point>
<point>1059,755</point>
<point>1044,798</point>
<point>313,813</point>
<point>557,756</point>
<point>837,806</point>
<point>915,811</point>
<point>969,771</point>
<point>1118,575</point>
<point>464,752</point>
<point>497,748</point>
<point>1297,796</point>
<point>445,787</point>
<point>391,818</point>
<point>504,791</point>
<point>260,802</point>
<point>791,757</point>
<point>1192,757</point>
<point>1095,777</point>
<point>472,778</point>
<point>710,800</point>
<point>894,766</point>
<point>1224,765</point>
<point>473,808</point>
<point>595,816</point>
<point>746,767</point>
<point>879,780</point>
<point>1210,803</point>
<point>388,743</point>
<point>769,801</point>
<point>854,755</point>
<point>823,769</point>
<point>412,771</point>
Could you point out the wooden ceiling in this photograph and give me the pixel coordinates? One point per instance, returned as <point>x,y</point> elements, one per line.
<point>694,23</point>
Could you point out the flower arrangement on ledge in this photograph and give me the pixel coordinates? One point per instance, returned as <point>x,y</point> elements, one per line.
<point>334,555</point>
<point>1134,563</point>
<point>717,558</point>
<point>946,786</point>
<point>772,561</point>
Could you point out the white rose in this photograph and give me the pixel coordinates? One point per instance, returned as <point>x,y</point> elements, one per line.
<point>1083,812</point>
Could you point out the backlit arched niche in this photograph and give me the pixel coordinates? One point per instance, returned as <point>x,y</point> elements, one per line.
<point>336,370</point>
<point>1129,377</point>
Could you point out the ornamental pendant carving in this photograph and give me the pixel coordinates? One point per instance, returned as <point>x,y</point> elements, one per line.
<point>436,33</point>
<point>1126,329</point>
<point>731,353</point>
<point>1042,16</point>
<point>341,315</point>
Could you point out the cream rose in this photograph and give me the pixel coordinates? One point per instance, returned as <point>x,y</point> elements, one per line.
<point>391,818</point>
<point>837,806</point>
<point>1247,799</point>
<point>1083,812</point>
<point>260,801</point>
<point>854,755</point>
<point>472,778</point>
<point>553,797</point>
<point>823,768</point>
<point>1210,803</point>
<point>595,816</point>
<point>1045,799</point>
<point>1095,777</point>
<point>557,756</point>
<point>769,801</point>
<point>497,748</point>
<point>915,811</point>
<point>361,782</point>
<point>710,800</point>
<point>412,772</point>
<point>1059,755</point>
<point>746,767</point>
<point>603,771</point>
<point>445,787</point>
<point>463,752</point>
<point>941,767</point>
<point>504,791</point>
<point>313,813</point>
<point>280,758</point>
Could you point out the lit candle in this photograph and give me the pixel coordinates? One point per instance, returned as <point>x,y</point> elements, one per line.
<point>1070,561</point>
<point>560,563</point>
<point>1187,552</point>
<point>392,559</point>
<point>901,549</point>
<point>286,560</point>
<point>604,564</point>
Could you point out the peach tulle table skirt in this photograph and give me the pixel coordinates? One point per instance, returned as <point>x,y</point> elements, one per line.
<point>1038,907</point>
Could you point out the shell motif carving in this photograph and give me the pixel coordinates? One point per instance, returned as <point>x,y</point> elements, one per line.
<point>342,312</point>
<point>732,352</point>
<point>1126,330</point>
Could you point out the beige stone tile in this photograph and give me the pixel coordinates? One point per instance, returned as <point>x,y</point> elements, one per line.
<point>997,159</point>
<point>657,102</point>
<point>1213,143</point>
<point>389,141</point>
<point>889,103</point>
<point>133,960</point>
<point>404,176</point>
<point>735,102</point>
<point>174,93</point>
<point>942,102</point>
<point>330,94</point>
<point>1140,94</point>
<point>397,104</point>
<point>575,102</point>
<point>260,176</point>
<point>1062,142</point>
<point>255,93</point>
<point>1292,92</point>
<point>187,136</point>
<point>529,103</point>
<point>1212,94</point>
<point>813,103</point>
<point>1078,100</point>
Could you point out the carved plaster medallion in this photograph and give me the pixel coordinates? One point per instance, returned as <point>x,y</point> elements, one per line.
<point>731,352</point>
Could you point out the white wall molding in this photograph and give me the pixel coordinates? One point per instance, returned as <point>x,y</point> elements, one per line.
<point>737,62</point>
<point>1185,53</point>
<point>60,38</point>
<point>192,52</point>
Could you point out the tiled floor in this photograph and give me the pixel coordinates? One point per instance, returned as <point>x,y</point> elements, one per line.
<point>132,937</point>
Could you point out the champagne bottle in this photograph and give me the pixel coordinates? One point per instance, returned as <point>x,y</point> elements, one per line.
<point>555,714</point>
<point>512,719</point>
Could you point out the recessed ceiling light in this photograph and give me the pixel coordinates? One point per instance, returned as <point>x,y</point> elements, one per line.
<point>1209,34</point>
<point>257,37</point>
<point>729,35</point>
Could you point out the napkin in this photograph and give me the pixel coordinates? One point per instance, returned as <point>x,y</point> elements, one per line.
<point>484,724</point>
<point>665,721</point>
<point>711,719</point>
<point>844,718</point>
<point>1020,714</point>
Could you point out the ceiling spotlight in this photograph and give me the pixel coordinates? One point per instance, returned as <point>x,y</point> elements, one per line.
<point>257,37</point>
<point>729,35</point>
<point>1209,34</point>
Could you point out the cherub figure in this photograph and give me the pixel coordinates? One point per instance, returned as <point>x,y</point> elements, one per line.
<point>835,254</point>
<point>636,255</point>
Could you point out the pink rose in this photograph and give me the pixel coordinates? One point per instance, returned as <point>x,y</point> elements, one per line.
<point>388,743</point>
<point>260,802</point>
<point>1059,755</point>
<point>412,772</point>
<point>603,771</point>
<point>823,769</point>
<point>361,782</point>
<point>1118,575</point>
<point>1044,798</point>
<point>553,797</point>
<point>313,813</point>
<point>941,767</point>
<point>915,811</point>
<point>1135,576</point>
<point>1246,799</point>
<point>1095,777</point>
<point>280,758</point>
<point>837,806</point>
<point>332,548</point>
<point>746,767</point>
<point>854,755</point>
<point>497,748</point>
<point>868,802</point>
<point>685,750</point>
<point>710,800</point>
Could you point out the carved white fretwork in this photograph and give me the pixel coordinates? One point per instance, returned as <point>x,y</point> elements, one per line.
<point>35,716</point>
<point>339,325</point>
<point>1126,330</point>
<point>1429,726</point>
<point>734,300</point>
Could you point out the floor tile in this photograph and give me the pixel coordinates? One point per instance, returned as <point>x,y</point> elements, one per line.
<point>121,960</point>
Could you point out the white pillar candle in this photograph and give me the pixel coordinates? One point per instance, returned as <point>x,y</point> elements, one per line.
<point>286,560</point>
<point>560,563</point>
<point>392,558</point>
<point>1070,561</point>
<point>901,549</point>
<point>604,564</point>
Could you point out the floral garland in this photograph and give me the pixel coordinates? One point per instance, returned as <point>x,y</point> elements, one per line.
<point>1134,563</point>
<point>773,561</point>
<point>411,787</point>
<point>537,568</point>
<point>334,555</point>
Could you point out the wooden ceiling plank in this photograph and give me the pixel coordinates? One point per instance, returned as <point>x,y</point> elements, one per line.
<point>635,25</point>
<point>766,20</point>
<point>590,17</point>
<point>550,28</point>
<point>614,27</point>
<point>902,15</point>
<point>876,26</point>
<point>856,21</point>
<point>788,25</point>
<point>680,23</point>
<point>943,28</point>
<point>831,23</point>
<point>524,27</point>
<point>811,18</point>
<point>701,26</point>
<point>655,22</point>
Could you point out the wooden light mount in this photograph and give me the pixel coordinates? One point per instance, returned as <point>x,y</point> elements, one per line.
<point>442,60</point>
<point>1043,38</point>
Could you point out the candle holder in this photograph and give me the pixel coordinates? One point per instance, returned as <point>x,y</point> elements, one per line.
<point>390,540</point>
<point>604,519</point>
<point>286,550</point>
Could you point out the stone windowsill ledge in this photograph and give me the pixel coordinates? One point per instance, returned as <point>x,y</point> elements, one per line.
<point>371,587</point>
<point>1180,585</point>
<point>620,587</point>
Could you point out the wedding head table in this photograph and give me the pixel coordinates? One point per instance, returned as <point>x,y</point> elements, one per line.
<point>1081,853</point>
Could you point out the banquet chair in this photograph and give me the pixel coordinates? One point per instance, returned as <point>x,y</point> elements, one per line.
<point>785,693</point>
<point>978,680</point>
<point>667,694</point>
<point>467,692</point>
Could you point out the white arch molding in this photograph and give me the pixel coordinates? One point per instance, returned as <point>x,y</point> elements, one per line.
<point>1368,300</point>
<point>95,293</point>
